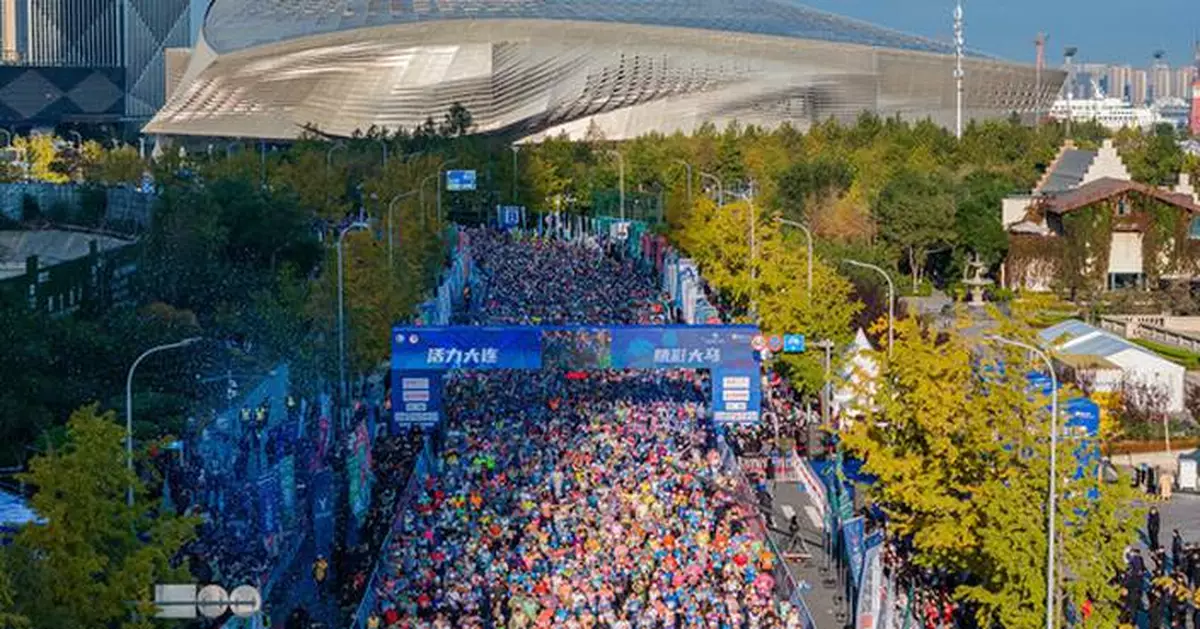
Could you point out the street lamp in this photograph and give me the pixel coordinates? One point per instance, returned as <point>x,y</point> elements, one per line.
<point>440,173</point>
<point>7,137</point>
<point>891,299</point>
<point>342,307</point>
<point>1053,498</point>
<point>807,234</point>
<point>383,143</point>
<point>720,186</point>
<point>749,198</point>
<point>78,138</point>
<point>689,180</point>
<point>515,148</point>
<point>129,405</point>
<point>329,165</point>
<point>621,171</point>
<point>392,206</point>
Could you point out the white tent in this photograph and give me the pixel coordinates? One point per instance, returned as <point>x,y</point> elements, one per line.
<point>1114,361</point>
<point>855,377</point>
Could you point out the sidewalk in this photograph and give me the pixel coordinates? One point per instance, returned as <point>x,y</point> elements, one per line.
<point>822,597</point>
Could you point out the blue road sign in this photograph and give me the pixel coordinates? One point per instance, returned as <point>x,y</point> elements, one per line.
<point>459,180</point>
<point>793,343</point>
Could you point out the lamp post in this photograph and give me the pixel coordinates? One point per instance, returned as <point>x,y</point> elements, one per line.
<point>1053,496</point>
<point>441,171</point>
<point>891,299</point>
<point>391,232</point>
<point>383,143</point>
<point>959,43</point>
<point>342,307</point>
<point>689,179</point>
<point>129,405</point>
<point>807,234</point>
<point>749,198</point>
<point>720,186</point>
<point>329,165</point>
<point>514,194</point>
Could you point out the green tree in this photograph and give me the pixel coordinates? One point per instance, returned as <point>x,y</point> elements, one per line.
<point>915,214</point>
<point>977,215</point>
<point>809,181</point>
<point>95,553</point>
<point>960,450</point>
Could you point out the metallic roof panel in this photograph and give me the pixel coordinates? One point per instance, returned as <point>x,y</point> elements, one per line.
<point>237,24</point>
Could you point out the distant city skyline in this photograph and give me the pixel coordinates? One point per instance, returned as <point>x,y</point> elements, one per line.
<point>1104,31</point>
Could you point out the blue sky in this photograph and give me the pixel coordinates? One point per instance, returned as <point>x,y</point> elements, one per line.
<point>1105,31</point>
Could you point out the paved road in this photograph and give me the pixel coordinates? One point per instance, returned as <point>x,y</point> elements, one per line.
<point>824,599</point>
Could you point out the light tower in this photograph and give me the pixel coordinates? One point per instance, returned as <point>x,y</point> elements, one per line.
<point>959,42</point>
<point>1195,120</point>
<point>1039,44</point>
<point>1069,56</point>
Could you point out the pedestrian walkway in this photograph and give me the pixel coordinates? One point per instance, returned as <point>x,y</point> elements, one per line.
<point>815,574</point>
<point>296,589</point>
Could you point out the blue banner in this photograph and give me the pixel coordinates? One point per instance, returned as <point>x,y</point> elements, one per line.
<point>321,494</point>
<point>688,347</point>
<point>872,591</point>
<point>268,495</point>
<point>737,395</point>
<point>852,543</point>
<point>287,487</point>
<point>437,349</point>
<point>416,399</point>
<point>577,347</point>
<point>358,471</point>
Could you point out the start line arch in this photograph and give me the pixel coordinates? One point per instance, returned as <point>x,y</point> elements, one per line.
<point>421,355</point>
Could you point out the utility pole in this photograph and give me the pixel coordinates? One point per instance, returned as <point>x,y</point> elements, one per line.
<point>1069,55</point>
<point>1039,64</point>
<point>959,43</point>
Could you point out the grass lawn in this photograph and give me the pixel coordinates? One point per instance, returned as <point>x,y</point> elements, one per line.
<point>1182,356</point>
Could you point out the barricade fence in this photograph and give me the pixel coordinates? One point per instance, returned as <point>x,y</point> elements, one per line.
<point>422,468</point>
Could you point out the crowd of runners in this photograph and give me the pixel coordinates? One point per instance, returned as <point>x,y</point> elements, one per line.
<point>576,502</point>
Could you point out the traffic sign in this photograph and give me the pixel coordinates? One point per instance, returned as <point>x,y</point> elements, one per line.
<point>775,343</point>
<point>460,180</point>
<point>793,343</point>
<point>758,343</point>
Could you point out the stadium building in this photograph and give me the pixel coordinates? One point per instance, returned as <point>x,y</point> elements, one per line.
<point>268,68</point>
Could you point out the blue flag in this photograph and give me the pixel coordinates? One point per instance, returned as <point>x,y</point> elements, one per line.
<point>321,494</point>
<point>852,542</point>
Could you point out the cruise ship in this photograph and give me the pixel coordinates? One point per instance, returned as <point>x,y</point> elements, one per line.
<point>1113,113</point>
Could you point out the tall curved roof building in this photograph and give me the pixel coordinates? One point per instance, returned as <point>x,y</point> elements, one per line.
<point>267,68</point>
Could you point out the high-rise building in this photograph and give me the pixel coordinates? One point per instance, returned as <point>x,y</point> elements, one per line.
<point>129,36</point>
<point>75,33</point>
<point>152,26</point>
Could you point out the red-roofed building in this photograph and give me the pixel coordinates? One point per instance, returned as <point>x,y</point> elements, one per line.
<point>1088,226</point>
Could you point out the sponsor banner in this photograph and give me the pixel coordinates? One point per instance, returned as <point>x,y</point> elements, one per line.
<point>811,484</point>
<point>853,546</point>
<point>437,349</point>
<point>358,467</point>
<point>872,589</point>
<point>416,399</point>
<point>737,395</point>
<point>286,471</point>
<point>268,495</point>
<point>321,495</point>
